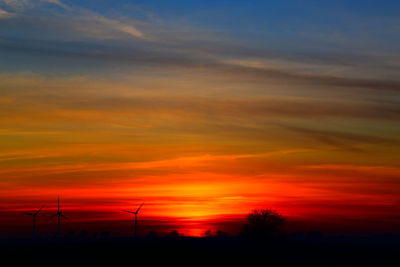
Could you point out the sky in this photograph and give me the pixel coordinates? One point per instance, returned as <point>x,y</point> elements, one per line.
<point>204,110</point>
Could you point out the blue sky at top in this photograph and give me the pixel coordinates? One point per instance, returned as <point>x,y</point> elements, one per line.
<point>45,31</point>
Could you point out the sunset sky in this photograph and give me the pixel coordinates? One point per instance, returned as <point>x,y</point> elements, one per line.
<point>204,110</point>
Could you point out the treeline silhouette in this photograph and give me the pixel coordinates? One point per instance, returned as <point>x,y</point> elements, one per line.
<point>262,241</point>
<point>261,224</point>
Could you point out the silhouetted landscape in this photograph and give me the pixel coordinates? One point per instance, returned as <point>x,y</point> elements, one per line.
<point>262,240</point>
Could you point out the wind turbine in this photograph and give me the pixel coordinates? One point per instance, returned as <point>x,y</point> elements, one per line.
<point>135,213</point>
<point>33,214</point>
<point>59,215</point>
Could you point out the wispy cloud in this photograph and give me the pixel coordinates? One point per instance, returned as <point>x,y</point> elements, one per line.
<point>35,91</point>
<point>348,141</point>
<point>76,21</point>
<point>361,168</point>
<point>141,55</point>
<point>77,34</point>
<point>5,15</point>
<point>183,162</point>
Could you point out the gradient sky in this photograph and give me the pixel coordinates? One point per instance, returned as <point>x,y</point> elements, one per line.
<point>202,109</point>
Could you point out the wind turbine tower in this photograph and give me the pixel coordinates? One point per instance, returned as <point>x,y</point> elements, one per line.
<point>135,213</point>
<point>59,215</point>
<point>34,214</point>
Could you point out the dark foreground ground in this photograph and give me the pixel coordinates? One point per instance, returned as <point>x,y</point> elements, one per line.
<point>194,251</point>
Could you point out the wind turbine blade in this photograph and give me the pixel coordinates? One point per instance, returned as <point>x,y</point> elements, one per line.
<point>141,205</point>
<point>52,216</point>
<point>129,211</point>
<point>37,212</point>
<point>58,203</point>
<point>65,217</point>
<point>27,213</point>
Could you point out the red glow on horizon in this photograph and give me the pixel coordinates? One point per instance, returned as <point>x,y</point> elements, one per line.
<point>195,202</point>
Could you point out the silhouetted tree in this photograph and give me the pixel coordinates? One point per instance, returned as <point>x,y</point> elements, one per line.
<point>221,233</point>
<point>208,233</point>
<point>174,234</point>
<point>263,224</point>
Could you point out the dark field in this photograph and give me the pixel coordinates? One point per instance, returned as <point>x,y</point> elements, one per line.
<point>292,251</point>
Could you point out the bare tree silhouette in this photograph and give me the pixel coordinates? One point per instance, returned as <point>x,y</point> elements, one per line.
<point>263,224</point>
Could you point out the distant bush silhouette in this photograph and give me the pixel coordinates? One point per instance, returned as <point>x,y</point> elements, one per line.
<point>218,233</point>
<point>221,233</point>
<point>263,224</point>
<point>174,234</point>
<point>208,233</point>
<point>153,234</point>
